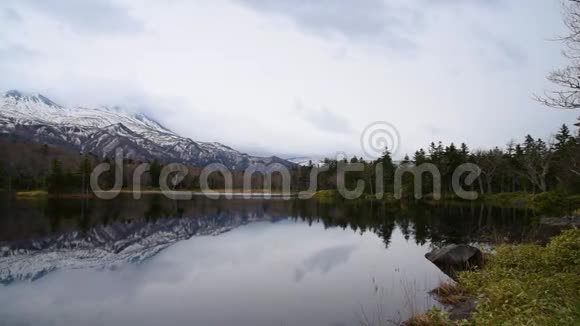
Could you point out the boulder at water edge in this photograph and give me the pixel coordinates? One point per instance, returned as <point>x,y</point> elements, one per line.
<point>453,258</point>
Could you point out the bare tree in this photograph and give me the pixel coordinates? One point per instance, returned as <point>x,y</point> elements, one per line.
<point>489,161</point>
<point>537,161</point>
<point>567,80</point>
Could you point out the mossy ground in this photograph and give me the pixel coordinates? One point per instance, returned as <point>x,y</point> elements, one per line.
<point>520,285</point>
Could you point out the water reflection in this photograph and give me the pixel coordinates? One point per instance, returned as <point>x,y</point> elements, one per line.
<point>324,260</point>
<point>440,224</point>
<point>242,277</point>
<point>245,262</point>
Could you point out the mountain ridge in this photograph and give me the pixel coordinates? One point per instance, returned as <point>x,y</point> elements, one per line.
<point>103,129</point>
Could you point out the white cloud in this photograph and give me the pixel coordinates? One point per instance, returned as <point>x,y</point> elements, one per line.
<point>231,71</point>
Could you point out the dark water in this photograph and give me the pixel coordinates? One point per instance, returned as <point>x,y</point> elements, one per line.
<point>228,262</point>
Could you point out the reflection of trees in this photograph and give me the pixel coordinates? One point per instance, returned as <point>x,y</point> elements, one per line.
<point>437,224</point>
<point>385,231</point>
<point>155,211</point>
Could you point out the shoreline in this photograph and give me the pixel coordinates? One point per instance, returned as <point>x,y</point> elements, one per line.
<point>543,281</point>
<point>237,193</point>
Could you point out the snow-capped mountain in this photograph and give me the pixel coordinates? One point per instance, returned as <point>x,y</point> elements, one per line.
<point>307,161</point>
<point>102,130</point>
<point>108,246</point>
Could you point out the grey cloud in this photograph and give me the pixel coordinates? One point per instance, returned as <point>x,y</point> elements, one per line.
<point>511,53</point>
<point>372,20</point>
<point>10,15</point>
<point>13,53</point>
<point>387,23</point>
<point>99,16</point>
<point>323,119</point>
<point>359,20</point>
<point>487,3</point>
<point>499,52</point>
<point>434,131</point>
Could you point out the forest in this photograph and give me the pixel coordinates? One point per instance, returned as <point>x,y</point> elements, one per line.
<point>533,165</point>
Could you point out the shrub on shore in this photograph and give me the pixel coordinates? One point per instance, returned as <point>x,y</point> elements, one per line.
<point>521,285</point>
<point>547,203</point>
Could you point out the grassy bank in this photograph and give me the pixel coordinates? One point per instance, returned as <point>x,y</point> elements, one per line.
<point>554,202</point>
<point>519,285</point>
<point>41,194</point>
<point>549,203</point>
<point>31,194</point>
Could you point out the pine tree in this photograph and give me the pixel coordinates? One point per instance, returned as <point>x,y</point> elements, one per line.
<point>420,157</point>
<point>464,152</point>
<point>563,138</point>
<point>388,170</point>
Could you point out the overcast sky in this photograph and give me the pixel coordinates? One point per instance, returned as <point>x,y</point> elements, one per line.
<point>296,77</point>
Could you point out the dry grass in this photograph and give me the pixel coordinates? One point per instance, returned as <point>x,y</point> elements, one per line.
<point>42,194</point>
<point>432,317</point>
<point>450,293</point>
<point>32,193</point>
<point>422,320</point>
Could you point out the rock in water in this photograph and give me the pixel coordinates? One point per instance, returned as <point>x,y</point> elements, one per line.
<point>453,258</point>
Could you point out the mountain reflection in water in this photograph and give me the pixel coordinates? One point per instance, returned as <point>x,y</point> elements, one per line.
<point>221,262</point>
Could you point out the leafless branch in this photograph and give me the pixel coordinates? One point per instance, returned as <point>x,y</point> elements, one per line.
<point>567,80</point>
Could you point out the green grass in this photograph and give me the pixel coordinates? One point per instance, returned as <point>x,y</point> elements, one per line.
<point>523,285</point>
<point>529,284</point>
<point>509,199</point>
<point>326,196</point>
<point>547,203</point>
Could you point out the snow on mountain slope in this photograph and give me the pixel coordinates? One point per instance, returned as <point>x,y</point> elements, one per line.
<point>307,161</point>
<point>101,130</point>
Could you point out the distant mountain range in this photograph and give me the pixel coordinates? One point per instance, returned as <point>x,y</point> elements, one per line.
<point>307,161</point>
<point>102,129</point>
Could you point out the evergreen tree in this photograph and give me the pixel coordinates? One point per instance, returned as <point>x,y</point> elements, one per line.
<point>464,153</point>
<point>563,138</point>
<point>388,170</point>
<point>420,157</point>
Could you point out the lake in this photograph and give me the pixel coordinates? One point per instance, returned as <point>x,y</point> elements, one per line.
<point>241,262</point>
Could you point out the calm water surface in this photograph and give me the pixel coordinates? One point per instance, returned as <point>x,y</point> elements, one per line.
<point>227,262</point>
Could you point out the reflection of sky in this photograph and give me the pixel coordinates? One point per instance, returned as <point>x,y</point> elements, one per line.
<point>324,260</point>
<point>261,274</point>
